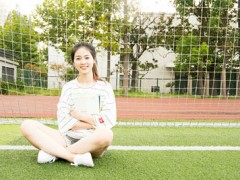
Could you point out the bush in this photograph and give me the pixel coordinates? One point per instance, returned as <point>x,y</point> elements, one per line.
<point>3,87</point>
<point>20,85</point>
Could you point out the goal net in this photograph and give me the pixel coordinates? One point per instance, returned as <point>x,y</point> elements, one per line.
<point>170,60</point>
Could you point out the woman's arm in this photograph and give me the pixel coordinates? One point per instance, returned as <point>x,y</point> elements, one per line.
<point>107,116</point>
<point>65,120</point>
<point>84,118</point>
<point>80,125</point>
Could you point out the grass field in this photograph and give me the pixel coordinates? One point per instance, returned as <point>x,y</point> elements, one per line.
<point>119,164</point>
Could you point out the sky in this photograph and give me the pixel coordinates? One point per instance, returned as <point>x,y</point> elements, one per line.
<point>27,6</point>
<point>156,6</point>
<point>24,6</point>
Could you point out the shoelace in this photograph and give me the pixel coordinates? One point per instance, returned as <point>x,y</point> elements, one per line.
<point>73,164</point>
<point>52,160</point>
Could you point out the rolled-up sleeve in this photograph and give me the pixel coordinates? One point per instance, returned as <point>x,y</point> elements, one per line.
<point>65,121</point>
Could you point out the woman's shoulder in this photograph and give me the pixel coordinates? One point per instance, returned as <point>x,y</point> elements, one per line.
<point>69,84</point>
<point>104,87</point>
<point>104,84</point>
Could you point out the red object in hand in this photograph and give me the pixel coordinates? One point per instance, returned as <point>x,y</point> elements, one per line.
<point>101,120</point>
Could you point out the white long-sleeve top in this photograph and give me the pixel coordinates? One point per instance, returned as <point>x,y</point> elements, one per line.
<point>107,111</point>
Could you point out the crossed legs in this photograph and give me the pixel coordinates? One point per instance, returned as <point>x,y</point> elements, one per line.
<point>51,141</point>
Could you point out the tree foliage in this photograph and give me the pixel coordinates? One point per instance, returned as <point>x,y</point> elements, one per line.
<point>216,29</point>
<point>63,23</point>
<point>190,54</point>
<point>66,22</point>
<point>18,35</point>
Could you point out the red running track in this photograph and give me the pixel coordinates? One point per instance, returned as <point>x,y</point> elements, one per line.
<point>129,108</point>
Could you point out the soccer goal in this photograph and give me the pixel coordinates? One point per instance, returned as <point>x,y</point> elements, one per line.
<point>171,63</point>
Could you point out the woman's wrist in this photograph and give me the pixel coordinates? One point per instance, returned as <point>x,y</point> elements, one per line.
<point>80,125</point>
<point>84,117</point>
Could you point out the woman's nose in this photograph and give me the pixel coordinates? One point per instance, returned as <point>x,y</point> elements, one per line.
<point>83,61</point>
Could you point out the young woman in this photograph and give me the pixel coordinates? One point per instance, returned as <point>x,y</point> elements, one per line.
<point>80,135</point>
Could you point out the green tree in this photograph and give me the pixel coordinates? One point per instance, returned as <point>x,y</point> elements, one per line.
<point>190,52</point>
<point>238,45</point>
<point>65,73</point>
<point>106,31</point>
<point>215,28</point>
<point>144,33</point>
<point>62,23</point>
<point>66,22</point>
<point>18,35</point>
<point>140,42</point>
<point>125,53</point>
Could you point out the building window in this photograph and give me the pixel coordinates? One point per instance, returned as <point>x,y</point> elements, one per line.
<point>7,74</point>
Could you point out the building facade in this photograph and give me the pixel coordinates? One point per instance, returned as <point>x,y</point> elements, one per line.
<point>8,68</point>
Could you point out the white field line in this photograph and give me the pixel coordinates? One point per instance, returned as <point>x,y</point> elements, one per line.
<point>180,124</point>
<point>144,124</point>
<point>145,148</point>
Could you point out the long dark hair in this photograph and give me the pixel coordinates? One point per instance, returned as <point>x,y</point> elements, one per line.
<point>92,52</point>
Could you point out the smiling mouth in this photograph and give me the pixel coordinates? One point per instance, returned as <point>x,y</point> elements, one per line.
<point>83,67</point>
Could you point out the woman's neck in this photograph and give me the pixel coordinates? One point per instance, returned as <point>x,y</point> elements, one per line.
<point>85,79</point>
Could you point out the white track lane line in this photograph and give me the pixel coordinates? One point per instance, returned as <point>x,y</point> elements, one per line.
<point>146,124</point>
<point>145,148</point>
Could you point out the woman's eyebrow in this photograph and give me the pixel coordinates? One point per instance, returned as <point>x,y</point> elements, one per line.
<point>83,55</point>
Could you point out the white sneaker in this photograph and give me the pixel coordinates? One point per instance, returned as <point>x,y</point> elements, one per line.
<point>44,157</point>
<point>84,160</point>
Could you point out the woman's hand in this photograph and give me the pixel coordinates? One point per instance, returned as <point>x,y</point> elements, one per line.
<point>83,117</point>
<point>75,114</point>
<point>81,126</point>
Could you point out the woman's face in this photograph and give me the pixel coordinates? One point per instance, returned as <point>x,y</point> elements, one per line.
<point>83,61</point>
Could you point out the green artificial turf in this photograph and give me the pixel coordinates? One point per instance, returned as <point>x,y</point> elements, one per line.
<point>117,164</point>
<point>127,165</point>
<point>149,136</point>
<point>176,136</point>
